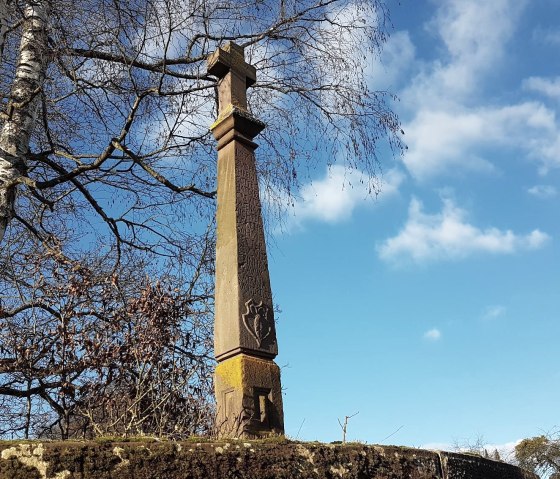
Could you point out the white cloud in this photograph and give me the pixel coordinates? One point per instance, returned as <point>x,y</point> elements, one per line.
<point>547,86</point>
<point>506,450</point>
<point>449,131</point>
<point>442,140</point>
<point>437,446</point>
<point>439,141</point>
<point>493,312</point>
<point>449,236</point>
<point>397,56</point>
<point>543,191</point>
<point>474,33</point>
<point>433,335</point>
<point>333,198</point>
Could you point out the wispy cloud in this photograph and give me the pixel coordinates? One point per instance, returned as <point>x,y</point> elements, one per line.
<point>449,236</point>
<point>334,197</point>
<point>493,312</point>
<point>547,36</point>
<point>432,335</point>
<point>384,73</point>
<point>474,34</point>
<point>543,191</point>
<point>547,86</point>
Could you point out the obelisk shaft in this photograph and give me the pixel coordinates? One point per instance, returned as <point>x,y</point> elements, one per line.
<point>247,381</point>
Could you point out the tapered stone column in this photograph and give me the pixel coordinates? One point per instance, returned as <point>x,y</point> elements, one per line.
<point>247,381</point>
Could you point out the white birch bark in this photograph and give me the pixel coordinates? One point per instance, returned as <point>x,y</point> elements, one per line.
<point>23,105</point>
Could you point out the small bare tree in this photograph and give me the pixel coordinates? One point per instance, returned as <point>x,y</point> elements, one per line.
<point>93,351</point>
<point>344,425</point>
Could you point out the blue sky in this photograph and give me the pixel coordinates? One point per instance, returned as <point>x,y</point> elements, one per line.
<point>434,308</point>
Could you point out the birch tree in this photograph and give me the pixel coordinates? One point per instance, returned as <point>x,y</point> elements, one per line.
<point>4,11</point>
<point>21,110</point>
<point>127,103</point>
<point>107,164</point>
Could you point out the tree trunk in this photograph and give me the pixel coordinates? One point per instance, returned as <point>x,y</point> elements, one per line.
<point>4,11</point>
<point>23,105</point>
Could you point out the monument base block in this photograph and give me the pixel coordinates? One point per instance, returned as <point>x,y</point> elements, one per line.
<point>250,385</point>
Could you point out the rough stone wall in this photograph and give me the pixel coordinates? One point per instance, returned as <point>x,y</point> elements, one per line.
<point>240,460</point>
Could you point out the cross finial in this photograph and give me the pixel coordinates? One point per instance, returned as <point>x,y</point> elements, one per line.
<point>235,74</point>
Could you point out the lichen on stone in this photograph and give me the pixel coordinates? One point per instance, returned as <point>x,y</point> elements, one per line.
<point>32,455</point>
<point>118,451</point>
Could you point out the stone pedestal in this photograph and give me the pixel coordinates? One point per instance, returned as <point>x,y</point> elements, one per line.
<point>250,396</point>
<point>247,381</point>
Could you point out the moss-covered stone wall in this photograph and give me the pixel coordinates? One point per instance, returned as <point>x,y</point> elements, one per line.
<point>240,460</point>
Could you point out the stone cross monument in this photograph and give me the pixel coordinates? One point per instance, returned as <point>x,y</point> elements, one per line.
<point>247,381</point>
